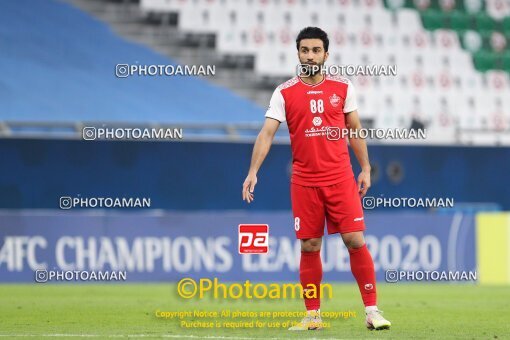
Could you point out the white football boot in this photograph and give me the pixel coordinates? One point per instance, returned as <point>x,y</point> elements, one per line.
<point>376,321</point>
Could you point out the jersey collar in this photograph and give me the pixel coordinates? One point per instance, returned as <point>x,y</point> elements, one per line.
<point>313,85</point>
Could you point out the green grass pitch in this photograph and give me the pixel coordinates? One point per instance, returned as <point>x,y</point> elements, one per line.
<point>424,311</point>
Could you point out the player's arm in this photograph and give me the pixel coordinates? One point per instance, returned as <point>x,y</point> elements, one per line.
<point>359,146</point>
<point>260,151</point>
<point>275,115</point>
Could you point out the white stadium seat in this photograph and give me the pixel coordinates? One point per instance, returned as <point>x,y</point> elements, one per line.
<point>436,79</point>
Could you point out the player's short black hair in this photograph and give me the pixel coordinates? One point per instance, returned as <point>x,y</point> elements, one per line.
<point>313,33</point>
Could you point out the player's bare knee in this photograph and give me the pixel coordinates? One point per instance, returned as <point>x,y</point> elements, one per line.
<point>311,244</point>
<point>309,248</point>
<point>353,240</point>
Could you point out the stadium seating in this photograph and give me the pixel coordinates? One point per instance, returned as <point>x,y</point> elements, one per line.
<point>447,52</point>
<point>58,65</point>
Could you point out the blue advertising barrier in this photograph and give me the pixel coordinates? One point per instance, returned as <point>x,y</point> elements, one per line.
<point>168,246</point>
<point>209,176</point>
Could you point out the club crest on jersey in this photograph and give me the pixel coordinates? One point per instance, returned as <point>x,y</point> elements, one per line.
<point>317,121</point>
<point>335,100</point>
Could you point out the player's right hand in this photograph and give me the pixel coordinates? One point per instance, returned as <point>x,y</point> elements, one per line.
<point>248,187</point>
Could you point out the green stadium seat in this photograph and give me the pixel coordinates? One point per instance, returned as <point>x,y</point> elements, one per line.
<point>486,39</point>
<point>409,4</point>
<point>484,22</point>
<point>465,6</point>
<point>458,21</point>
<point>485,60</point>
<point>436,4</point>
<point>505,61</point>
<point>432,19</point>
<point>505,24</point>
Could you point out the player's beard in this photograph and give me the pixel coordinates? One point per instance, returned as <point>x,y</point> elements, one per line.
<point>316,70</point>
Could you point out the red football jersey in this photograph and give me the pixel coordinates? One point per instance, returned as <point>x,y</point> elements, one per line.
<point>315,115</point>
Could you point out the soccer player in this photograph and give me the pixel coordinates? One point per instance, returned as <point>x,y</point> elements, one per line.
<point>318,108</point>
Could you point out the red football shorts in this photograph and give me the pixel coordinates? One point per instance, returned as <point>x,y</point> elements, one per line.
<point>338,204</point>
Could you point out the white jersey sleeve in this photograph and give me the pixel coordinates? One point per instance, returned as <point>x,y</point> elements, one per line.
<point>351,103</point>
<point>276,109</point>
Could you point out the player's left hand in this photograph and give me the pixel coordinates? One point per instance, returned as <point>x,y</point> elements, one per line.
<point>363,182</point>
<point>248,187</point>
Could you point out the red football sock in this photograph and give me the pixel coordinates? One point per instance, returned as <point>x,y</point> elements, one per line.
<point>362,267</point>
<point>310,272</point>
